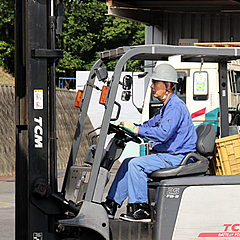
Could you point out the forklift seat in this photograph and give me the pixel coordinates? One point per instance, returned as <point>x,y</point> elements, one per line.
<point>205,146</point>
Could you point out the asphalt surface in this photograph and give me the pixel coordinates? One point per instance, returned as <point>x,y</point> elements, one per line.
<point>7,208</point>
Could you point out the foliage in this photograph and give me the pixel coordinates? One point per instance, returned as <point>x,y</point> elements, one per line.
<point>87,30</point>
<point>6,53</point>
<point>7,34</point>
<point>82,25</point>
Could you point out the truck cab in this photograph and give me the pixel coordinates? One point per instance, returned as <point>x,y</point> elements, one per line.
<point>198,87</point>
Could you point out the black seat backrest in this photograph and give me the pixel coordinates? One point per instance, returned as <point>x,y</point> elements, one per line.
<point>205,146</point>
<point>206,139</point>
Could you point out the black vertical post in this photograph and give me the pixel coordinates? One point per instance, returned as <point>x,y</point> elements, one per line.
<point>52,104</point>
<point>31,33</point>
<point>21,168</point>
<point>52,111</point>
<point>223,98</point>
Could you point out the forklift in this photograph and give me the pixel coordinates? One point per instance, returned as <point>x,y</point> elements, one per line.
<point>186,202</point>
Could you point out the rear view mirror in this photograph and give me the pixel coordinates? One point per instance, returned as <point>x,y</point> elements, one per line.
<point>127,82</point>
<point>126,95</point>
<point>101,73</point>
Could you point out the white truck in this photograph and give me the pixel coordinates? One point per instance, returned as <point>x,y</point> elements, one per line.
<point>198,87</point>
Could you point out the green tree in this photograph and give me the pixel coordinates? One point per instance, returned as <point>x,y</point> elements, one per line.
<point>119,32</point>
<point>7,34</point>
<point>81,36</point>
<point>88,30</point>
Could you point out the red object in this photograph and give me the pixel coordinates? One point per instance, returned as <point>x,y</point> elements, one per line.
<point>103,95</point>
<point>198,113</point>
<point>78,99</point>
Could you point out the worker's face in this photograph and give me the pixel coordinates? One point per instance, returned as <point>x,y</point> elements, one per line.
<point>158,89</point>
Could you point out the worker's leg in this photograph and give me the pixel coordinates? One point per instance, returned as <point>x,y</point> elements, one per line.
<point>131,179</point>
<point>139,168</point>
<point>118,190</point>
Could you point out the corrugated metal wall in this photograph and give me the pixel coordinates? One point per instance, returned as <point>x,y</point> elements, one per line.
<point>204,27</point>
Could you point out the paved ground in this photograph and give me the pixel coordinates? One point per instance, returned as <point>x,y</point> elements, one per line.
<point>7,208</point>
<point>7,204</point>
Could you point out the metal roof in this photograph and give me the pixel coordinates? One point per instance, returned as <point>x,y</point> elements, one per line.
<point>187,6</point>
<point>148,11</point>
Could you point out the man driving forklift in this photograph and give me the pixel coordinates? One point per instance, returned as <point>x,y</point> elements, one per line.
<point>173,134</point>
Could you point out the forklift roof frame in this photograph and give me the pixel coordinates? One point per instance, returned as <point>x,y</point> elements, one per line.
<point>221,55</point>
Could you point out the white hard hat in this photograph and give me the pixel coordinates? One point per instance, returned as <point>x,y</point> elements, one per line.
<point>164,72</point>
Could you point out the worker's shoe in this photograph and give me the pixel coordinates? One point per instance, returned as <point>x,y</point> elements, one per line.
<point>132,207</point>
<point>140,213</point>
<point>111,207</point>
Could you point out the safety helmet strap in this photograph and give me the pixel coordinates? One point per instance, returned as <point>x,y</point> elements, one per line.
<point>167,91</point>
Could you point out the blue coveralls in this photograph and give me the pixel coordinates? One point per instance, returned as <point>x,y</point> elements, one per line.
<point>174,136</point>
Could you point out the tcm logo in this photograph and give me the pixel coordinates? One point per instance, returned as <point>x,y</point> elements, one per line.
<point>231,227</point>
<point>229,230</point>
<point>38,133</point>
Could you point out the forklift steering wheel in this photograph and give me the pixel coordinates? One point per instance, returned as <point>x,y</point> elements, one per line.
<point>123,131</point>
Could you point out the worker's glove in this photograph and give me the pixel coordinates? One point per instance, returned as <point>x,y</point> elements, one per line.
<point>117,123</point>
<point>129,126</point>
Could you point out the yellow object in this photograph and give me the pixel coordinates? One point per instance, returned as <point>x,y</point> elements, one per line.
<point>227,156</point>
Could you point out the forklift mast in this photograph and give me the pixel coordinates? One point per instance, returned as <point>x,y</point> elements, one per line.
<point>35,56</point>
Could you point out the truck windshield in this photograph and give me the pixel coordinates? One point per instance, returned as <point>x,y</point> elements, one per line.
<point>235,81</point>
<point>180,89</point>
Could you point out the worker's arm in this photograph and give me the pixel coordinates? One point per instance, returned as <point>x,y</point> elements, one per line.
<point>164,127</point>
